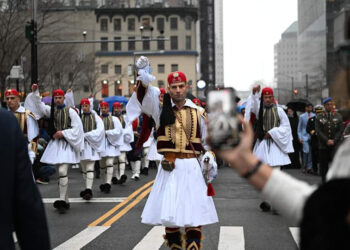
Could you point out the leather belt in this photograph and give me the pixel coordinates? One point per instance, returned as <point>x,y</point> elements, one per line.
<point>171,156</point>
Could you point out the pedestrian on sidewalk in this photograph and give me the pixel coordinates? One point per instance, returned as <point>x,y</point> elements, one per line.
<point>310,128</point>
<point>294,120</point>
<point>304,138</point>
<point>329,129</point>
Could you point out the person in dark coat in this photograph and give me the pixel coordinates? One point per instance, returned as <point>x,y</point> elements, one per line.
<point>21,208</point>
<point>310,128</point>
<point>294,120</point>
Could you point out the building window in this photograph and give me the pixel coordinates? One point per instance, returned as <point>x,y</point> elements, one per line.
<point>104,45</point>
<point>118,69</point>
<point>188,42</point>
<point>160,44</point>
<point>104,24</point>
<point>173,23</point>
<point>160,24</point>
<point>188,23</point>
<point>104,68</point>
<point>131,44</point>
<point>117,24</point>
<point>174,67</point>
<point>118,87</point>
<point>131,24</point>
<point>161,84</point>
<point>117,45</point>
<point>104,88</point>
<point>161,68</point>
<point>173,42</point>
<point>146,23</point>
<point>146,43</point>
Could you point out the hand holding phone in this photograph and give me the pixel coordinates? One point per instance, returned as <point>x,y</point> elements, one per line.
<point>223,125</point>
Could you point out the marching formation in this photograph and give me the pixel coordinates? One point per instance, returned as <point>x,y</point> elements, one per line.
<point>165,127</point>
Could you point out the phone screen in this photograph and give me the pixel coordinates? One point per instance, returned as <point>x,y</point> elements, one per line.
<point>222,118</point>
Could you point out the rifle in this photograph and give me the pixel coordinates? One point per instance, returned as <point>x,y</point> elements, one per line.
<point>51,128</point>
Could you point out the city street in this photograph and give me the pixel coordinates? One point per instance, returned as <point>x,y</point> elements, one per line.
<point>113,221</point>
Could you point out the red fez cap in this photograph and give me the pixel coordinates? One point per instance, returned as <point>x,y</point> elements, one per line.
<point>267,91</point>
<point>196,101</point>
<point>84,102</point>
<point>11,92</point>
<point>117,104</point>
<point>104,104</point>
<point>176,77</point>
<point>162,91</point>
<point>204,104</point>
<point>58,92</point>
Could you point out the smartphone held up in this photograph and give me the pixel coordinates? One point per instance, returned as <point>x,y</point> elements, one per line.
<point>223,125</point>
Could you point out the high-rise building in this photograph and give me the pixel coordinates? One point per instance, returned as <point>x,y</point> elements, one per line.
<point>207,41</point>
<point>219,43</point>
<point>317,56</point>
<point>286,63</point>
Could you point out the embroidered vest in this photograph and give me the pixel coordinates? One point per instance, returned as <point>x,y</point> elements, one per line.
<point>22,120</point>
<point>173,138</point>
<point>62,119</point>
<point>89,122</point>
<point>108,122</point>
<point>122,120</point>
<point>271,118</point>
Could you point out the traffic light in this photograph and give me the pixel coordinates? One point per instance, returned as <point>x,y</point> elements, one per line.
<point>29,31</point>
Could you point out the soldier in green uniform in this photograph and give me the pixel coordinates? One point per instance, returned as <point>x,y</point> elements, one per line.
<point>328,128</point>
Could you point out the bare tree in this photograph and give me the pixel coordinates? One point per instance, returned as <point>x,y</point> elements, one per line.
<point>13,44</point>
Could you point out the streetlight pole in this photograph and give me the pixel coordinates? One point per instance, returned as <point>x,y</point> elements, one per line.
<point>34,44</point>
<point>307,85</point>
<point>292,86</point>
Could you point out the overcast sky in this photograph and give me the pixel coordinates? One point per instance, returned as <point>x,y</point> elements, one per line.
<point>251,29</point>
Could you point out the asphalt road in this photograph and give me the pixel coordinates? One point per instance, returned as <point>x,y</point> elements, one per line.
<point>236,203</point>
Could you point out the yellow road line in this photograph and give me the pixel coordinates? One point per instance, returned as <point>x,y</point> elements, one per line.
<point>110,212</point>
<point>127,208</point>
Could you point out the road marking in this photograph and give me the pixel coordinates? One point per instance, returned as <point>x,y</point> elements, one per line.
<point>295,233</point>
<point>231,238</point>
<point>80,200</point>
<point>82,239</point>
<point>152,240</point>
<point>110,212</point>
<point>127,208</point>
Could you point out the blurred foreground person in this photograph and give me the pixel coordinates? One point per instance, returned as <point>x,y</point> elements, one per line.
<point>21,207</point>
<point>323,213</point>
